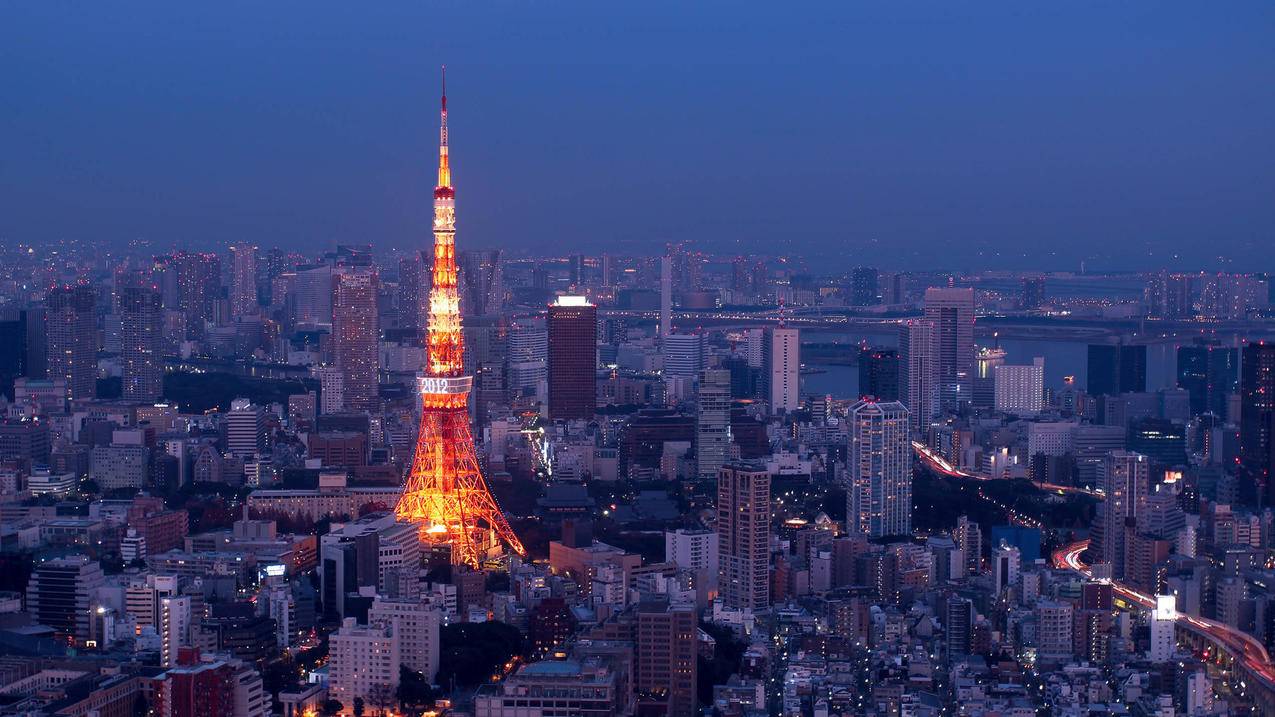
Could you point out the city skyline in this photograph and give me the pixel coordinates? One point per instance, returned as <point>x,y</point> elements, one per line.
<point>888,136</point>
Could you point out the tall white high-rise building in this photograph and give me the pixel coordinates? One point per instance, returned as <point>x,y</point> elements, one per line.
<point>362,659</point>
<point>968,536</point>
<point>782,368</point>
<point>1164,618</point>
<point>1020,390</point>
<point>879,497</point>
<point>755,347</point>
<point>683,354</point>
<point>243,280</point>
<point>416,623</point>
<point>331,388</point>
<point>918,372</point>
<point>528,358</point>
<point>712,427</point>
<point>743,535</point>
<point>174,624</point>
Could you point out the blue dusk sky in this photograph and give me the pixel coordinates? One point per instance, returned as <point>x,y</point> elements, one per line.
<point>942,134</point>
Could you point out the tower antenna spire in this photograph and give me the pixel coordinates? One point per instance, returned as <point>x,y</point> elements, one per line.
<point>444,169</point>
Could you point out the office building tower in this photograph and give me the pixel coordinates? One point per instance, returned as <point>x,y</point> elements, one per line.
<point>413,287</point>
<point>666,296</point>
<point>13,350</point>
<point>1020,390</point>
<point>482,290</point>
<point>712,428</point>
<point>683,354</point>
<point>781,356</point>
<point>667,637</point>
<point>951,312</point>
<point>416,623</point>
<point>1033,293</point>
<point>60,593</point>
<point>243,280</point>
<point>958,627</point>
<point>918,373</point>
<point>863,287</point>
<point>743,536</point>
<point>1257,419</point>
<point>71,321</point>
<point>985,363</point>
<point>879,460</point>
<point>356,336</point>
<point>572,327</point>
<point>1117,368</point>
<point>312,299</point>
<point>528,359</point>
<point>174,627</point>
<point>1126,480</point>
<point>879,374</point>
<point>141,343</point>
<point>245,428</point>
<point>362,660</point>
<point>1007,561</point>
<point>968,537</point>
<point>1209,372</point>
<point>198,290</point>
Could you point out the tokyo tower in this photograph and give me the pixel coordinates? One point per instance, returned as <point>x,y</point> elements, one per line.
<point>445,492</point>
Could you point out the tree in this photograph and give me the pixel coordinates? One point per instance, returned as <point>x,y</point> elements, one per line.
<point>470,653</point>
<point>414,691</point>
<point>331,708</point>
<point>381,696</point>
<point>358,707</point>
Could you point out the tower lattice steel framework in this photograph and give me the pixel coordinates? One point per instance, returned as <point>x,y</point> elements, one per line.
<point>445,492</point>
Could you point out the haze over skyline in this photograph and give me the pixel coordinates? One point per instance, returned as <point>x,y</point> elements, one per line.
<point>1127,136</point>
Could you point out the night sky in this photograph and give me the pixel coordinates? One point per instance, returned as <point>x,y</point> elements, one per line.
<point>939,134</point>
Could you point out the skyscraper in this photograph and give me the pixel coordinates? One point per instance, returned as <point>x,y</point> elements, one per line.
<point>863,286</point>
<point>141,342</point>
<point>712,431</point>
<point>666,296</point>
<point>198,289</point>
<point>482,291</point>
<point>951,311</point>
<point>1033,292</point>
<point>879,374</point>
<point>243,280</point>
<point>1126,479</point>
<point>985,363</point>
<point>683,354</point>
<point>918,372</point>
<point>1209,372</point>
<point>743,536</point>
<point>72,334</point>
<point>1117,368</point>
<point>781,370</point>
<point>572,327</point>
<point>1257,419</point>
<point>1020,390</point>
<point>879,497</point>
<point>412,280</point>
<point>355,336</point>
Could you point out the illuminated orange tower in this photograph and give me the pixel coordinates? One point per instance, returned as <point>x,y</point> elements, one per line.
<point>445,492</point>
